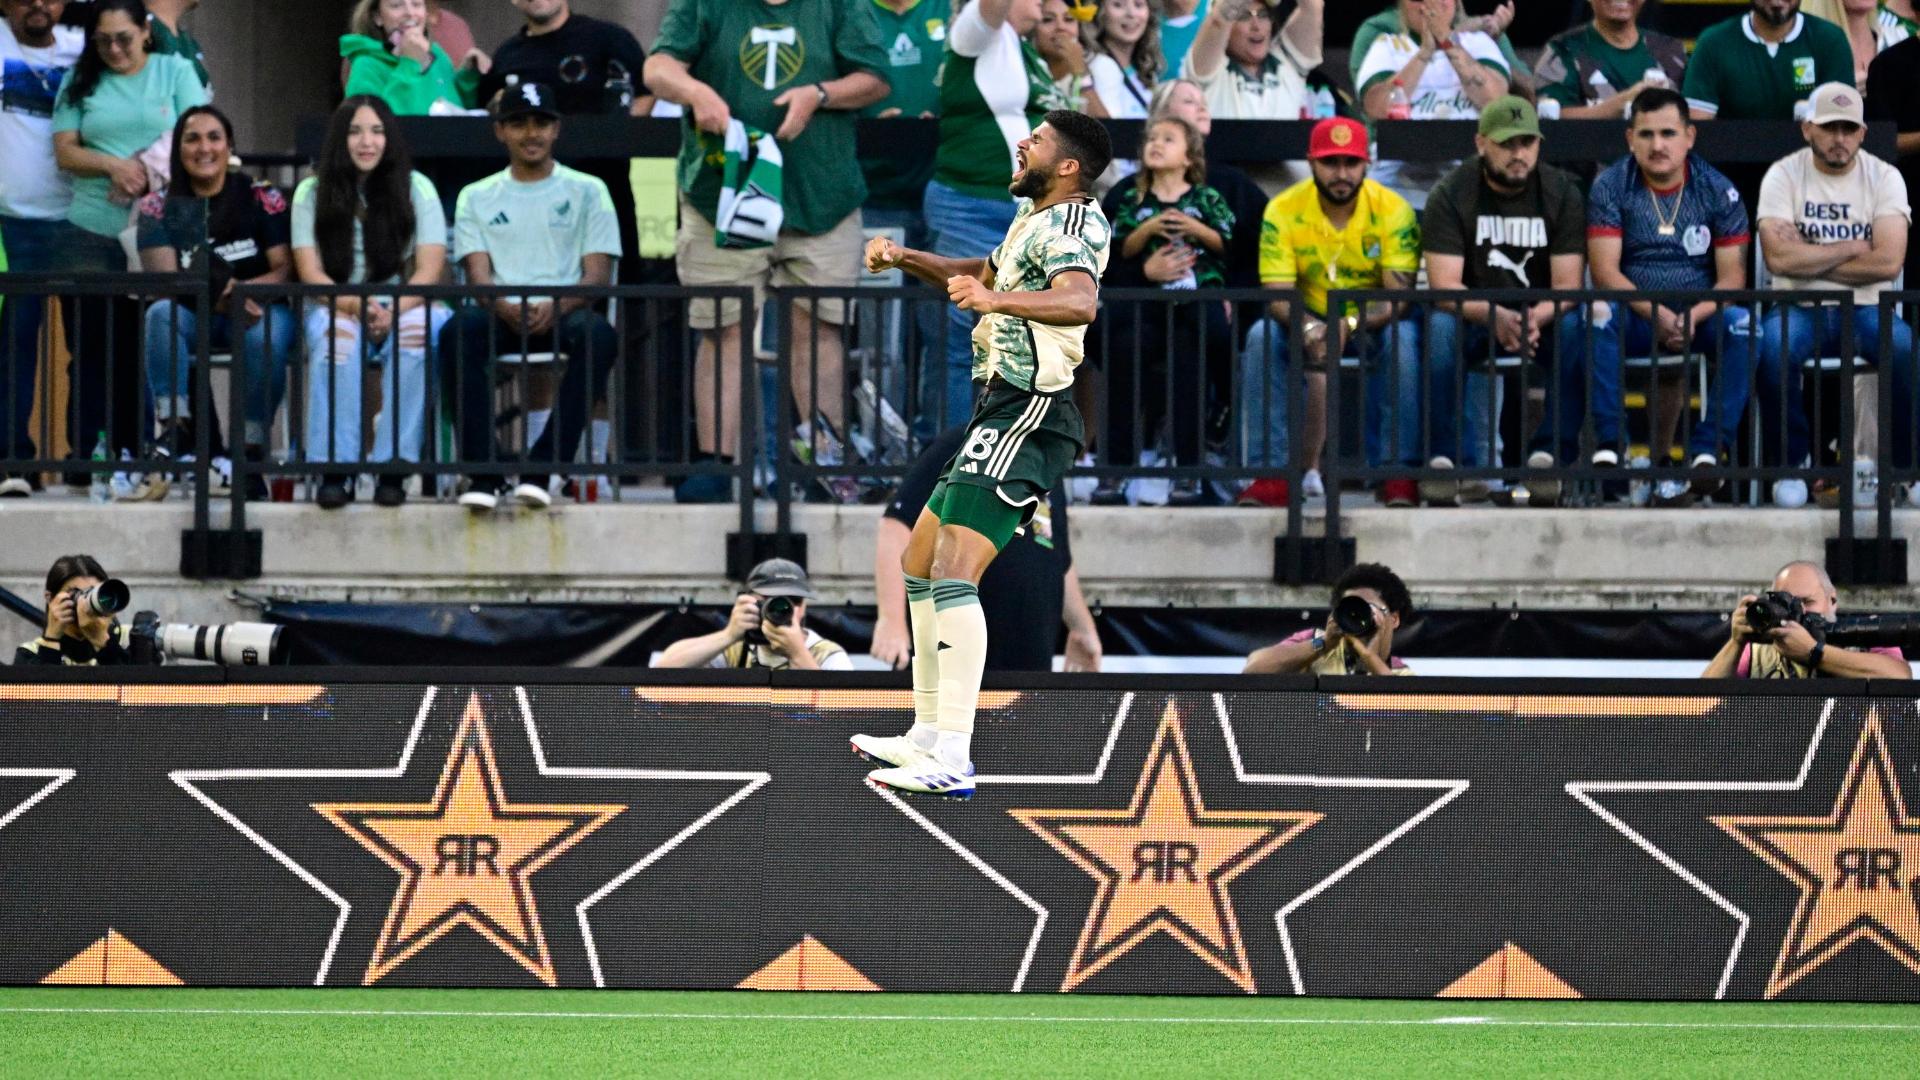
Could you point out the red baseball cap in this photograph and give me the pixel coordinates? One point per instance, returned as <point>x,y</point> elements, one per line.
<point>1337,136</point>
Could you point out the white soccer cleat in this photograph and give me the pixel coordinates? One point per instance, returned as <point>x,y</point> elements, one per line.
<point>892,750</point>
<point>927,776</point>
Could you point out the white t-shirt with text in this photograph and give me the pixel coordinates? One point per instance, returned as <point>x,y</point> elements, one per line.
<point>1830,209</point>
<point>1437,96</point>
<point>31,185</point>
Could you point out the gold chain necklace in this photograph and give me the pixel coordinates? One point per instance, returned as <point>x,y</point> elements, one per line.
<point>1667,224</point>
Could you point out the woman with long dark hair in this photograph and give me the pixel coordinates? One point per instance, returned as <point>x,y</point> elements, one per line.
<point>75,634</point>
<point>118,101</point>
<point>214,223</point>
<point>366,217</point>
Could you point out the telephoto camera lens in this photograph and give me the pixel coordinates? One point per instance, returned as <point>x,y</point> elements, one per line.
<point>1354,616</point>
<point>110,597</point>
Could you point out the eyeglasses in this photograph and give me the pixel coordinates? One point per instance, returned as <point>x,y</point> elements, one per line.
<point>116,41</point>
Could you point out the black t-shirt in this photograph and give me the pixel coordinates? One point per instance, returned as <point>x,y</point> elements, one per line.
<point>579,60</point>
<point>1025,586</point>
<point>239,226</point>
<point>1249,206</point>
<point>1893,93</point>
<point>1507,240</point>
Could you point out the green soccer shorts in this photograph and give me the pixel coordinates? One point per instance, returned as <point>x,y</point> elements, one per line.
<point>1018,446</point>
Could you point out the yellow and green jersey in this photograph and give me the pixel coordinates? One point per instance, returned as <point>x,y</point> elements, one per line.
<point>1299,247</point>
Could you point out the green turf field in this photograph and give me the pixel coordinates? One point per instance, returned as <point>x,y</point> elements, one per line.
<point>205,1033</point>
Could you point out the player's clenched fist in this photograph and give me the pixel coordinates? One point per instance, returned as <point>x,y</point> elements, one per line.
<point>968,294</point>
<point>883,255</point>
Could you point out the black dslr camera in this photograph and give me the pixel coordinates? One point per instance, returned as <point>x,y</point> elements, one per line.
<point>1354,616</point>
<point>777,610</point>
<point>1772,610</point>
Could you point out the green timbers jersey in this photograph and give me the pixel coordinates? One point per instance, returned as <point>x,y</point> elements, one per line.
<point>915,42</point>
<point>751,52</point>
<point>1734,75</point>
<point>1041,245</point>
<point>182,45</point>
<point>994,90</point>
<point>1580,67</point>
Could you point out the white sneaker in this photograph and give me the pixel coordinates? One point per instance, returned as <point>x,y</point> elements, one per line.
<point>927,776</point>
<point>1311,486</point>
<point>1440,492</point>
<point>480,499</point>
<point>532,496</point>
<point>1542,492</point>
<point>1789,494</point>
<point>894,750</point>
<point>1605,458</point>
<point>1913,495</point>
<point>15,487</point>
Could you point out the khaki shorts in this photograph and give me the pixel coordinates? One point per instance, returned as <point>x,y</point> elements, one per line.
<point>830,260</point>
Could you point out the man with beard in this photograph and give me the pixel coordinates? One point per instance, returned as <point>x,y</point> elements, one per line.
<point>1037,293</point>
<point>1502,220</point>
<point>1761,65</point>
<point>1339,230</point>
<point>1663,220</point>
<point>1835,217</point>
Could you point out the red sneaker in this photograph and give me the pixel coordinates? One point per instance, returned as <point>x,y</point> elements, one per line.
<point>1270,492</point>
<point>1401,492</point>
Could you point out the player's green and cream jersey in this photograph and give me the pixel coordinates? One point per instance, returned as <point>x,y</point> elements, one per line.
<point>1042,245</point>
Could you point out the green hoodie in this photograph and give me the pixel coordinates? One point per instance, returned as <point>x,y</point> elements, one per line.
<point>399,81</point>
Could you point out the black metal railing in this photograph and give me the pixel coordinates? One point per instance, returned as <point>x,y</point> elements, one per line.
<point>1213,383</point>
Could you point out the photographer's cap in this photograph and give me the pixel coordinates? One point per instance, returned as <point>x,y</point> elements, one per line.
<point>1834,102</point>
<point>1509,117</point>
<point>527,99</point>
<point>779,577</point>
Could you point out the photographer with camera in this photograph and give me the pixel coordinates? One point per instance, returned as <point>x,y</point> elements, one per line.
<point>1369,604</point>
<point>81,629</point>
<point>1783,634</point>
<point>766,630</point>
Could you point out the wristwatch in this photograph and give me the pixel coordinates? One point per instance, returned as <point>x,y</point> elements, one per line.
<point>822,87</point>
<point>1818,654</point>
<point>1319,643</point>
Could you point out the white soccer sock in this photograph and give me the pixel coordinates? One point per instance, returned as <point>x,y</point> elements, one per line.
<point>963,661</point>
<point>926,661</point>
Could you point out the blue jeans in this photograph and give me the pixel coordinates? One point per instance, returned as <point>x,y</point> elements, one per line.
<point>1476,351</point>
<point>919,321</point>
<point>173,335</point>
<point>1809,332</point>
<point>961,227</point>
<point>1621,331</point>
<point>33,247</point>
<point>1393,357</point>
<point>336,362</point>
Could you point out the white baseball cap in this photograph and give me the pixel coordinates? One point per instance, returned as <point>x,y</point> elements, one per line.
<point>1833,102</point>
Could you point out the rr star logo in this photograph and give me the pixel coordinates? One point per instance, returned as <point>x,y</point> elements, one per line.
<point>1163,863</point>
<point>1856,867</point>
<point>465,856</point>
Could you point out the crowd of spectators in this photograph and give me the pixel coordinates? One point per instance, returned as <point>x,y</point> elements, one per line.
<point>117,162</point>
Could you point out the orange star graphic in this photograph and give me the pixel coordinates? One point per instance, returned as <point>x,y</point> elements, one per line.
<point>1856,867</point>
<point>1163,863</point>
<point>465,856</point>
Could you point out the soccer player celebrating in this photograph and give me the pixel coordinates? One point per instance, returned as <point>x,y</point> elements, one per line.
<point>1035,294</point>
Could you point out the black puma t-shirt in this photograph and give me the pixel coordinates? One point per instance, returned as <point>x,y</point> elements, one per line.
<point>1507,240</point>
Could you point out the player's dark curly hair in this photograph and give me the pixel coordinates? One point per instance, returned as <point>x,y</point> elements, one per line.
<point>1083,139</point>
<point>1393,592</point>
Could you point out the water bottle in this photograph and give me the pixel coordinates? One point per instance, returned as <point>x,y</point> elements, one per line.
<point>1399,106</point>
<point>97,489</point>
<point>1639,492</point>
